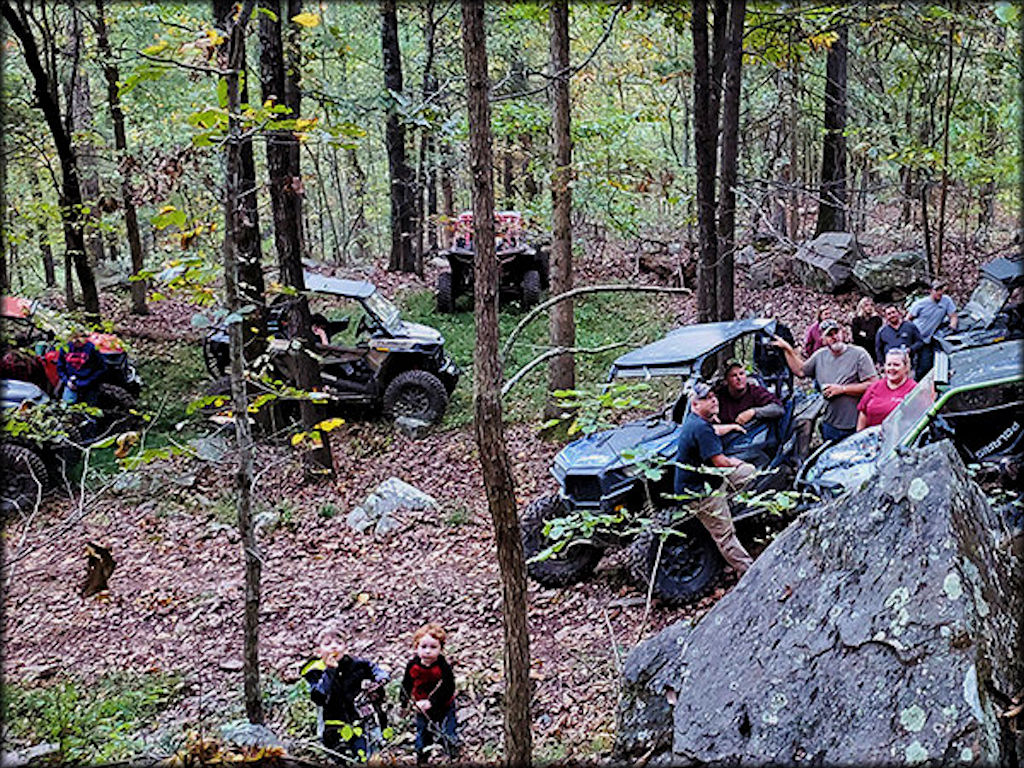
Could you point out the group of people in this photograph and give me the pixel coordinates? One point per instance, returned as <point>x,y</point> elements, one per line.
<point>343,686</point>
<point>843,367</point>
<point>79,369</point>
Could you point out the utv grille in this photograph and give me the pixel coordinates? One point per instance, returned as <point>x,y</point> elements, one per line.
<point>585,488</point>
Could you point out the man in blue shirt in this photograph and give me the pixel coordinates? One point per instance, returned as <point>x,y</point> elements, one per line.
<point>700,446</point>
<point>897,332</point>
<point>928,314</point>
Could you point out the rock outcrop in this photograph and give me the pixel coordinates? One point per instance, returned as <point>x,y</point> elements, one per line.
<point>891,275</point>
<point>826,262</point>
<point>879,628</point>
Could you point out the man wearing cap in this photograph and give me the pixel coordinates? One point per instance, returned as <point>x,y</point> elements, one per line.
<point>928,314</point>
<point>700,446</point>
<point>843,371</point>
<point>741,402</point>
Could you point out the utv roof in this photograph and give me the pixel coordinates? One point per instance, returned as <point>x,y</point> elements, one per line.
<point>676,353</point>
<point>992,362</point>
<point>337,286</point>
<point>1009,271</point>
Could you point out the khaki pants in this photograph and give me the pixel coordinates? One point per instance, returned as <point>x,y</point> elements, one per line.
<point>713,512</point>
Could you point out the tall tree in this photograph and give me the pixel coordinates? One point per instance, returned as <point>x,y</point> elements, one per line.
<point>402,198</point>
<point>490,436</point>
<point>832,208</point>
<point>280,84</point>
<point>562,371</point>
<point>20,19</point>
<point>237,230</point>
<point>733,55</point>
<point>251,285</point>
<point>131,219</point>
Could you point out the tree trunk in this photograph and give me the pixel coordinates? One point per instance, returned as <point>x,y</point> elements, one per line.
<point>286,200</point>
<point>832,208</point>
<point>490,437</point>
<point>705,124</point>
<point>236,227</point>
<point>251,286</point>
<point>402,256</point>
<point>131,221</point>
<point>730,149</point>
<point>562,370</point>
<point>42,237</point>
<point>70,194</point>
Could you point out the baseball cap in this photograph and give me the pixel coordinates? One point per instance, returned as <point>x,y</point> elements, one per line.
<point>828,326</point>
<point>731,363</point>
<point>701,390</point>
<point>938,284</point>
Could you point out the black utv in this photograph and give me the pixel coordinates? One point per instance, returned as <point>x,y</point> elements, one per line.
<point>612,481</point>
<point>369,356</point>
<point>523,263</point>
<point>994,312</point>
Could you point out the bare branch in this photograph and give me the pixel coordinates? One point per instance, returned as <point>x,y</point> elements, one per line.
<point>555,352</point>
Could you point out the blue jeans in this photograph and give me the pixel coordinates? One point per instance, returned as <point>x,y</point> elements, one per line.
<point>444,733</point>
<point>828,432</point>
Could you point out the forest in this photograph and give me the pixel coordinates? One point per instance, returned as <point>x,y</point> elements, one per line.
<point>218,192</point>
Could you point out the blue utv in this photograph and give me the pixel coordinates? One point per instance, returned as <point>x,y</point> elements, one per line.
<point>612,481</point>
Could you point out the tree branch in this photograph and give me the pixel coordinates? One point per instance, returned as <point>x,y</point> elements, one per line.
<point>555,352</point>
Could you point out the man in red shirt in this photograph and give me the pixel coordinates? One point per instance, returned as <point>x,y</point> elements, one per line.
<point>740,401</point>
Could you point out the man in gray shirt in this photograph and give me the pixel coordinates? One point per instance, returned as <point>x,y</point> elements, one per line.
<point>843,371</point>
<point>928,314</point>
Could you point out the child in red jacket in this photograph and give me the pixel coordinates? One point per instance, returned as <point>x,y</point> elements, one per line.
<point>430,685</point>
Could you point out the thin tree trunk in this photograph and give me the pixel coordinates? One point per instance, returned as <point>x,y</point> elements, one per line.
<point>235,214</point>
<point>42,236</point>
<point>562,370</point>
<point>730,151</point>
<point>705,123</point>
<point>490,437</point>
<point>402,256</point>
<point>70,194</point>
<point>131,221</point>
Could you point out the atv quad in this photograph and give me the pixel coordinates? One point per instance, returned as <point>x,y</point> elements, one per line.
<point>372,358</point>
<point>523,265</point>
<point>608,474</point>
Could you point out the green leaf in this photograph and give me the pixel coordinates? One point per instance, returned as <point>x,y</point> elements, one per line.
<point>222,92</point>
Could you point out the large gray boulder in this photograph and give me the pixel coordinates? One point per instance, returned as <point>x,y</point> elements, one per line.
<point>891,274</point>
<point>826,262</point>
<point>879,628</point>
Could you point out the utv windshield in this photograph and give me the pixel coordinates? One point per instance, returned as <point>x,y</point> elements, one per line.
<point>901,422</point>
<point>988,298</point>
<point>386,312</point>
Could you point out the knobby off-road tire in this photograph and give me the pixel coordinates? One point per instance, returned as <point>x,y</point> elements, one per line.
<point>531,288</point>
<point>445,297</point>
<point>690,564</point>
<point>119,408</point>
<point>23,478</point>
<point>573,564</point>
<point>417,395</point>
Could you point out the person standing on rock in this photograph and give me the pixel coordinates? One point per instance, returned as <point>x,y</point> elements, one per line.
<point>701,446</point>
<point>843,371</point>
<point>928,315</point>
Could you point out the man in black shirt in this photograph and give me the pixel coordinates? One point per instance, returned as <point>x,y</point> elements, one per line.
<point>897,332</point>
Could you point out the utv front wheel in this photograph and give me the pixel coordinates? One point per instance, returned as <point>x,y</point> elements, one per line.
<point>416,395</point>
<point>445,298</point>
<point>572,564</point>
<point>25,478</point>
<point>688,567</point>
<point>531,288</point>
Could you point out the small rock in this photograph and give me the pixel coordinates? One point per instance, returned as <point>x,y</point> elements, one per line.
<point>245,734</point>
<point>267,521</point>
<point>358,520</point>
<point>386,525</point>
<point>412,428</point>
<point>27,756</point>
<point>231,665</point>
<point>212,448</point>
<point>185,481</point>
<point>127,481</point>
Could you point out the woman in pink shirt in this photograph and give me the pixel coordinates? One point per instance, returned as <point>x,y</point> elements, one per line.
<point>812,339</point>
<point>885,394</point>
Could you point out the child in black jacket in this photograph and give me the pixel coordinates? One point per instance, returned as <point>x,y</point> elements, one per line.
<point>430,685</point>
<point>336,680</point>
